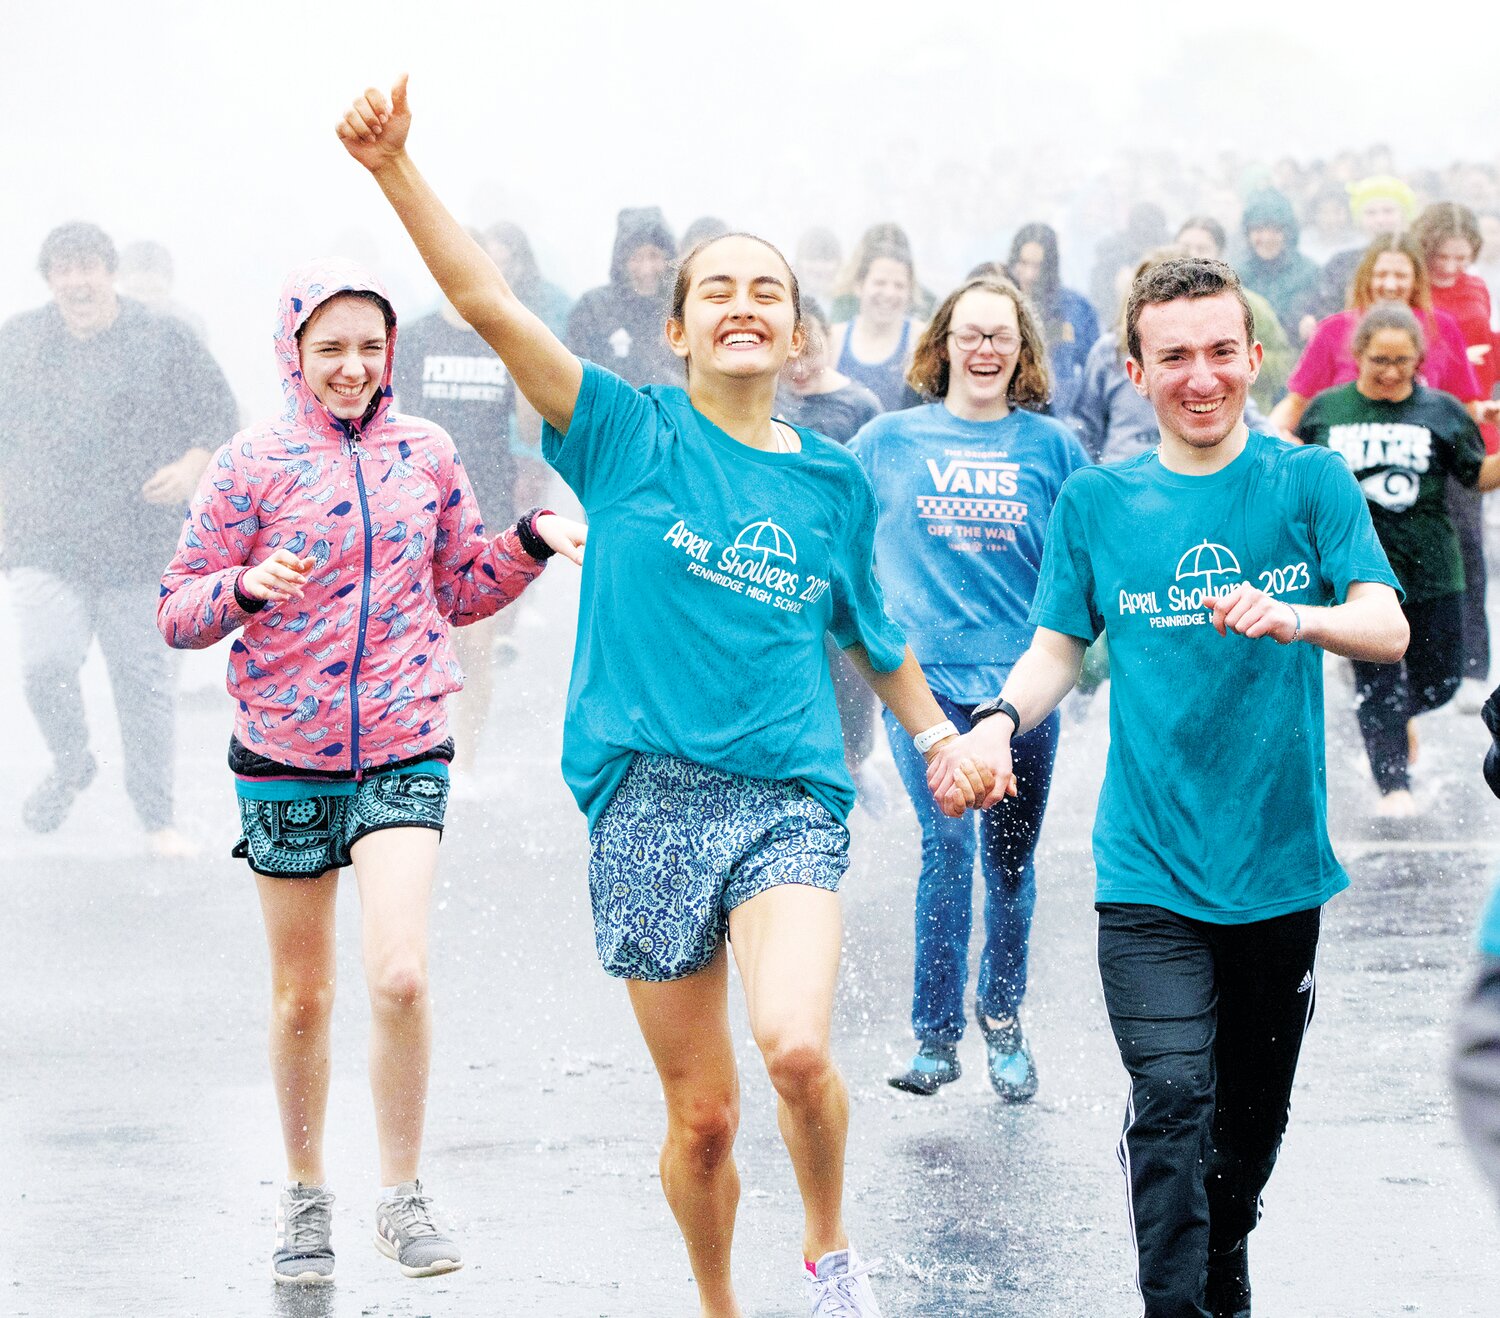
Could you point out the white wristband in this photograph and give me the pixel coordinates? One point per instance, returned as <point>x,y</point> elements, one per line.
<point>925,741</point>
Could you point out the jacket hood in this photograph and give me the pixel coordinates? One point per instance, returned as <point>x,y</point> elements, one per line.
<point>637,227</point>
<point>305,290</point>
<point>1267,208</point>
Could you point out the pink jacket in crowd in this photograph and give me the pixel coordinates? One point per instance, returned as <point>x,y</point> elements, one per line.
<point>354,673</point>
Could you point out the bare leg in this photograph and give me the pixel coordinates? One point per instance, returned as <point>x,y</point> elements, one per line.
<point>395,868</point>
<point>299,915</point>
<point>686,1028</point>
<point>469,709</point>
<point>786,944</point>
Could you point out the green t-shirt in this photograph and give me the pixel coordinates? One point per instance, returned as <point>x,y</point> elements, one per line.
<point>1214,802</point>
<point>1400,454</point>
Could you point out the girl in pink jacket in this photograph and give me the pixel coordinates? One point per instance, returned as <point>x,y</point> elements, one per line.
<point>345,542</point>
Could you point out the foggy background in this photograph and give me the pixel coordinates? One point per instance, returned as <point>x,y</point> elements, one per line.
<point>210,128</point>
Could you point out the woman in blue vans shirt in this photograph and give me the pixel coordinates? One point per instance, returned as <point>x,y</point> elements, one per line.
<point>965,486</point>
<point>701,736</point>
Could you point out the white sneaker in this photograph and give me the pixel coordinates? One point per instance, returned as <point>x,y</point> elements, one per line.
<point>1472,693</point>
<point>1399,804</point>
<point>841,1287</point>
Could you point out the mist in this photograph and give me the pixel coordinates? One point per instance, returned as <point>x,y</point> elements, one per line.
<point>211,130</point>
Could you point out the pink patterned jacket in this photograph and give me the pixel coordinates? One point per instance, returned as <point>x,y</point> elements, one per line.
<point>353,675</point>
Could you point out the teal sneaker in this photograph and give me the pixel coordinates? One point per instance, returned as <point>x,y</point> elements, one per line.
<point>1008,1055</point>
<point>935,1065</point>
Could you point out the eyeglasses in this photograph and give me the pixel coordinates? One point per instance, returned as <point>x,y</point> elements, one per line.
<point>1386,363</point>
<point>967,340</point>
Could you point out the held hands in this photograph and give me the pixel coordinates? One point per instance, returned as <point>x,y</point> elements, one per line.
<point>280,577</point>
<point>563,535</point>
<point>1251,612</point>
<point>374,130</point>
<point>972,772</point>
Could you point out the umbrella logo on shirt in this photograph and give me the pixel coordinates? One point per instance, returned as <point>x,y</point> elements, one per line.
<point>1208,561</point>
<point>766,539</point>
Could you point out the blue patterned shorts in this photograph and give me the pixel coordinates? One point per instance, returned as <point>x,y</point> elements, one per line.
<point>311,833</point>
<point>680,846</point>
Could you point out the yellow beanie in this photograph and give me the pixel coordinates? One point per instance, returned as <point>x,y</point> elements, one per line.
<point>1366,190</point>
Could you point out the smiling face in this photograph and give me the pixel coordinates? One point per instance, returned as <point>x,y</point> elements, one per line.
<point>343,348</point>
<point>1451,258</point>
<point>885,291</point>
<point>1393,278</point>
<point>1267,241</point>
<point>738,318</point>
<point>1388,365</point>
<point>84,290</point>
<point>1196,367</point>
<point>979,375</point>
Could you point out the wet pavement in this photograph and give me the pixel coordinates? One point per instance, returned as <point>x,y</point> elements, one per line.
<point>142,1143</point>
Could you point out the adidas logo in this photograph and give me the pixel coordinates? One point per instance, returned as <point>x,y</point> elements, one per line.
<point>1307,983</point>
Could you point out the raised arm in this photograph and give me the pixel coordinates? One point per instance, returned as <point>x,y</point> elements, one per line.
<point>374,132</point>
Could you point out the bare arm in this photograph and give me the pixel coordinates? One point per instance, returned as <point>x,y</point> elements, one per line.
<point>374,133</point>
<point>904,691</point>
<point>1287,415</point>
<point>1036,685</point>
<point>1368,625</point>
<point>1489,474</point>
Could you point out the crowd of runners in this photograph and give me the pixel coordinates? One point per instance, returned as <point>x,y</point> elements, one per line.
<point>844,493</point>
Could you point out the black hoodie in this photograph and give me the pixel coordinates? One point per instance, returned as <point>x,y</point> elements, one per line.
<point>618,328</point>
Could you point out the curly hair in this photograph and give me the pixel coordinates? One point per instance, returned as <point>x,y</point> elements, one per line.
<point>1180,277</point>
<point>1030,385</point>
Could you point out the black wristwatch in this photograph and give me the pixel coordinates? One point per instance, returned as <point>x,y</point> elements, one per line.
<point>999,705</point>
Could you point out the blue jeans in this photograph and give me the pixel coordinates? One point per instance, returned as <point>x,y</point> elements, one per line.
<point>1006,837</point>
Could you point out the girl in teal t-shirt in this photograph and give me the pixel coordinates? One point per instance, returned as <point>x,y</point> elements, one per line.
<point>701,736</point>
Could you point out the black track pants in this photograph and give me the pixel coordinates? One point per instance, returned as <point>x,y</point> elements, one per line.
<point>1209,1020</point>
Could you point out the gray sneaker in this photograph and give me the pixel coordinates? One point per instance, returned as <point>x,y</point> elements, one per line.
<point>405,1231</point>
<point>304,1233</point>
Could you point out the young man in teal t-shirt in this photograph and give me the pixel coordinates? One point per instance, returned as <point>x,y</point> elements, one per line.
<point>1476,1063</point>
<point>1221,564</point>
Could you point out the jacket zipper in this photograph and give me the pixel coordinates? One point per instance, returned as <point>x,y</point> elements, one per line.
<point>364,607</point>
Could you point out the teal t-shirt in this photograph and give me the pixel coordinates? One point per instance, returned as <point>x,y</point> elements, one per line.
<point>1489,928</point>
<point>1214,802</point>
<point>712,572</point>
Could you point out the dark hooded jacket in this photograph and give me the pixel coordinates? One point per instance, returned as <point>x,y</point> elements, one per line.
<point>1290,282</point>
<point>84,423</point>
<point>618,328</point>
